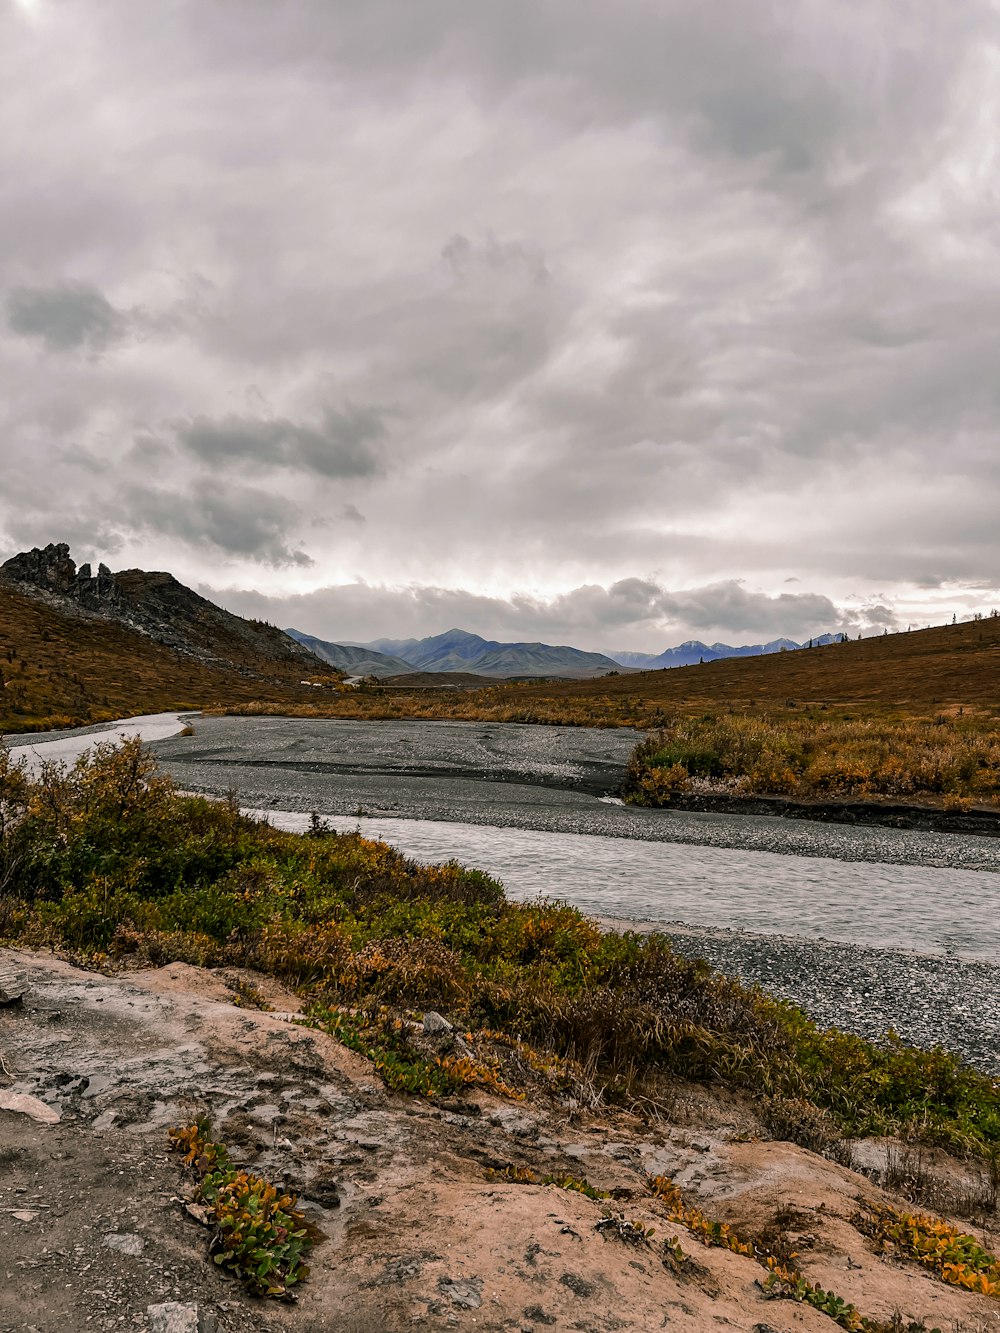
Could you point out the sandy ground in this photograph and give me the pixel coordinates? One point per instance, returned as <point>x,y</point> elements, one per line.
<point>417,1234</point>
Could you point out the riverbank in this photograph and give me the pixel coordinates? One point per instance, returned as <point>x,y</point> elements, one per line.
<point>870,814</point>
<point>927,1000</point>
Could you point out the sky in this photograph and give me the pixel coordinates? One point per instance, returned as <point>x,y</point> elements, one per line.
<point>613,324</point>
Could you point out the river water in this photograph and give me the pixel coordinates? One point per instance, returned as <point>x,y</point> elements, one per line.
<point>865,927</point>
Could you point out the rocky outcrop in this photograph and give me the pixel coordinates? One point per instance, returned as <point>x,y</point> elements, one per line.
<point>158,606</point>
<point>50,567</point>
<point>52,570</point>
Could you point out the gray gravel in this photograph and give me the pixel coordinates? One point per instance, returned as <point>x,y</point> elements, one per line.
<point>927,1000</point>
<point>529,777</point>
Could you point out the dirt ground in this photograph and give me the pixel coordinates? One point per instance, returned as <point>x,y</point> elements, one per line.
<point>93,1229</point>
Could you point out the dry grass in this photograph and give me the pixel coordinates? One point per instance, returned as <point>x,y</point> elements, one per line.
<point>60,671</point>
<point>809,754</point>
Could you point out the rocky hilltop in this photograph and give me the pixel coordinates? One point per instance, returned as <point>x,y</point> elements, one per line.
<point>79,647</point>
<point>156,605</point>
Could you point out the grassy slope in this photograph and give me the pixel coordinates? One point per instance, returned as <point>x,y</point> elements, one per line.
<point>949,664</point>
<point>920,673</point>
<point>60,671</point>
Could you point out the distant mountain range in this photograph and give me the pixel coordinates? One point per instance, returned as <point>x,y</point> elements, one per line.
<point>457,650</point>
<point>694,651</point>
<point>351,659</point>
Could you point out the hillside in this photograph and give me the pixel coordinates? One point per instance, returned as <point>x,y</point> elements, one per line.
<point>948,664</point>
<point>926,673</point>
<point>77,648</point>
<point>693,652</point>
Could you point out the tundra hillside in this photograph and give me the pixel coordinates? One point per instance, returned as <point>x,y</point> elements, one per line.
<point>77,648</point>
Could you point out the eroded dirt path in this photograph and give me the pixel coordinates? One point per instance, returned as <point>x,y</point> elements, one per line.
<point>417,1235</point>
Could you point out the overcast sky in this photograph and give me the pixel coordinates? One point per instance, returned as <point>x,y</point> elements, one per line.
<point>613,322</point>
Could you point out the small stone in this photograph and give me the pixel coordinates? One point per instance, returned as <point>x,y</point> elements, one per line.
<point>30,1106</point>
<point>466,1293</point>
<point>125,1242</point>
<point>22,1215</point>
<point>579,1286</point>
<point>175,1317</point>
<point>12,985</point>
<point>324,1189</point>
<point>538,1316</point>
<point>435,1025</point>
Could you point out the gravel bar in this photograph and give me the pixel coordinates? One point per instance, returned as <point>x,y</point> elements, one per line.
<point>928,1000</point>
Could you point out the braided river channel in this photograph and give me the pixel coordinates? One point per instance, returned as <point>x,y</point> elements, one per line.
<point>870,928</point>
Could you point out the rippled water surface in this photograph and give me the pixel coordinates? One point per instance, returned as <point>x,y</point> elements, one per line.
<point>525,804</point>
<point>882,906</point>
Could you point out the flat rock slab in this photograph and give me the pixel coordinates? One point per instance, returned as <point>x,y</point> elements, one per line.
<point>125,1243</point>
<point>12,984</point>
<point>178,1317</point>
<point>466,1293</point>
<point>25,1104</point>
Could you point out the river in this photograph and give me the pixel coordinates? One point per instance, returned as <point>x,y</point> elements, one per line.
<point>865,927</point>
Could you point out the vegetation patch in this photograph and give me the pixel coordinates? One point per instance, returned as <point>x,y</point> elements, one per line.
<point>257,1232</point>
<point>772,1252</point>
<point>951,1255</point>
<point>818,754</point>
<point>107,862</point>
<point>385,1040</point>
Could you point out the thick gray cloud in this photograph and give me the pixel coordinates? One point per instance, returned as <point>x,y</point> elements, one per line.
<point>239,521</point>
<point>550,311</point>
<point>64,317</point>
<point>628,612</point>
<point>339,447</point>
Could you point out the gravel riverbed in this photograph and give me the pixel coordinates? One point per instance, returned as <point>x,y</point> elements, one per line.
<point>550,780</point>
<point>929,1000</point>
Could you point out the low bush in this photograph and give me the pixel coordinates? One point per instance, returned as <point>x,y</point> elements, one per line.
<point>818,754</point>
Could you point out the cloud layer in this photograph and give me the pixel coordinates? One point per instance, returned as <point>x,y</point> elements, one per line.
<point>542,312</point>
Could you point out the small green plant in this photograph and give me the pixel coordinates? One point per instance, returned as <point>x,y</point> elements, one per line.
<point>951,1255</point>
<point>257,1232</point>
<point>630,1233</point>
<point>523,1175</point>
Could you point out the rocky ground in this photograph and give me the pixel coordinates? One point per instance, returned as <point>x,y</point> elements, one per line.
<point>94,1232</point>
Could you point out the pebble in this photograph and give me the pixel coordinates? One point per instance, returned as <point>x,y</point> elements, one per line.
<point>125,1243</point>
